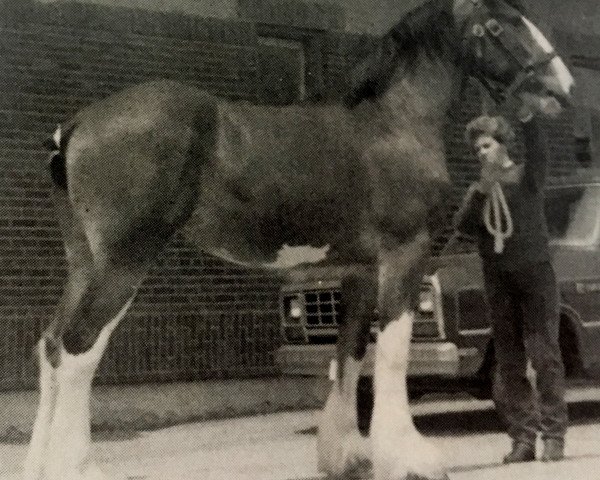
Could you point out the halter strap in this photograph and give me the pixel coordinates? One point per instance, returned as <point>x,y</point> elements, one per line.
<point>523,57</point>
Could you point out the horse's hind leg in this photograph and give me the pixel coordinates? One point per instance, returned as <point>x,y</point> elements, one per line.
<point>400,452</point>
<point>97,296</point>
<point>103,305</point>
<point>79,262</point>
<point>340,446</point>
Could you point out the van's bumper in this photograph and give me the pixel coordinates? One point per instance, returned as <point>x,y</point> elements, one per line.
<point>425,359</point>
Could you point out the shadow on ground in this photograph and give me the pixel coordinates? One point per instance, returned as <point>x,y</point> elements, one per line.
<point>443,423</point>
<point>14,436</point>
<point>479,421</point>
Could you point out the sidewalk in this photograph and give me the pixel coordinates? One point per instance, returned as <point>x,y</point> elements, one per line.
<point>282,446</point>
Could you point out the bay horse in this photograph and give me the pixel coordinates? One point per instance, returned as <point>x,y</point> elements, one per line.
<point>352,183</point>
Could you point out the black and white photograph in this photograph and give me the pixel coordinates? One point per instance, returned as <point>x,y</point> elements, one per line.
<point>299,239</point>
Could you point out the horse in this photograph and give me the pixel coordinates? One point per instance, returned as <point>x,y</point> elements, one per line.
<point>350,184</point>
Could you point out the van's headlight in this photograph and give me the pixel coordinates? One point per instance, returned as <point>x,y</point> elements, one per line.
<point>295,309</point>
<point>425,324</point>
<point>293,327</point>
<point>426,300</point>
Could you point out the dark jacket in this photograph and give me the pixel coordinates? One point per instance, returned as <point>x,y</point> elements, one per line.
<point>529,241</point>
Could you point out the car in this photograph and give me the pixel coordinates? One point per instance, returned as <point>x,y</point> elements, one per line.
<point>451,347</point>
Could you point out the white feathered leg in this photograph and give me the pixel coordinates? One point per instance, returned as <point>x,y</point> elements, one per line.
<point>33,467</point>
<point>399,451</point>
<point>68,451</point>
<point>340,446</point>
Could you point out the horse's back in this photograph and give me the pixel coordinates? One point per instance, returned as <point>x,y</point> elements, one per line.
<point>150,105</point>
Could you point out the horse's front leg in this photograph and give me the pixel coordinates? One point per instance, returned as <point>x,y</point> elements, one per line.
<point>340,446</point>
<point>399,451</point>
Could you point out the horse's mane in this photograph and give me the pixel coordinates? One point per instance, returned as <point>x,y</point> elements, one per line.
<point>428,29</point>
<point>425,30</point>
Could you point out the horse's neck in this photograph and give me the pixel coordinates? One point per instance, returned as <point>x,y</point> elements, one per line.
<point>420,97</point>
<point>404,125</point>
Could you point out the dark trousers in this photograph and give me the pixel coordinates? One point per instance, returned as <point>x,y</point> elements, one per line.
<point>525,325</point>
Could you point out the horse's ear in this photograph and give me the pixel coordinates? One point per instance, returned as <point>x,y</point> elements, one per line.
<point>371,76</point>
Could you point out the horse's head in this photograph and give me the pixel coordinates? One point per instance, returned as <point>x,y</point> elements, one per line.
<point>509,55</point>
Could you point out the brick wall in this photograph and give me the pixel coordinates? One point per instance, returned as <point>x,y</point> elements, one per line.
<point>195,316</point>
<point>340,54</point>
<point>366,16</point>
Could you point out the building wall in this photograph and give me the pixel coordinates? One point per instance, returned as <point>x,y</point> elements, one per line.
<point>580,16</point>
<point>365,16</point>
<point>224,9</point>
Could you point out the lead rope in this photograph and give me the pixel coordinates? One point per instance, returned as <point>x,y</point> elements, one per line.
<point>496,200</point>
<point>496,203</point>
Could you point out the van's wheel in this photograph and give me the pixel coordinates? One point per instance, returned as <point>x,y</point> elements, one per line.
<point>484,381</point>
<point>569,350</point>
<point>484,384</point>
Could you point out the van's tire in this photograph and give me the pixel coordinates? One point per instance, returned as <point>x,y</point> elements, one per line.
<point>483,385</point>
<point>569,349</point>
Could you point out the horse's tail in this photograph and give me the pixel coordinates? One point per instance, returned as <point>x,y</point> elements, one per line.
<point>57,144</point>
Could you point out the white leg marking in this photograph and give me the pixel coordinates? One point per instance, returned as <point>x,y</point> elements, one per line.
<point>32,469</point>
<point>340,446</point>
<point>69,447</point>
<point>56,137</point>
<point>398,449</point>
<point>564,80</point>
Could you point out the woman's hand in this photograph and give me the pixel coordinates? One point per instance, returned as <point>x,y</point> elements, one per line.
<point>492,173</point>
<point>531,104</point>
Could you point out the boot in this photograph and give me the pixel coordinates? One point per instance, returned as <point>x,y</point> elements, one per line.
<point>521,452</point>
<point>554,450</point>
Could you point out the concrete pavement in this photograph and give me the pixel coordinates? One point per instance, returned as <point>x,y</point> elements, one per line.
<point>282,446</point>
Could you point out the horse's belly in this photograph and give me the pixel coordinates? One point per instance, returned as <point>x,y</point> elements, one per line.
<point>239,238</point>
<point>237,248</point>
<point>286,257</point>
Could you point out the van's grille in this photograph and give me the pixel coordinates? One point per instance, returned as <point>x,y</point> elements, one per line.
<point>313,316</point>
<point>322,308</point>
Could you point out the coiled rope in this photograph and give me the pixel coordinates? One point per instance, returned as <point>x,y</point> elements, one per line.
<point>497,218</point>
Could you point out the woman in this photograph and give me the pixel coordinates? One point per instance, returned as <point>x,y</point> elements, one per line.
<point>520,284</point>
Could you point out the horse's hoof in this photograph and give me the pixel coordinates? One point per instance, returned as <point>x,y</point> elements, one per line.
<point>347,458</point>
<point>418,476</point>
